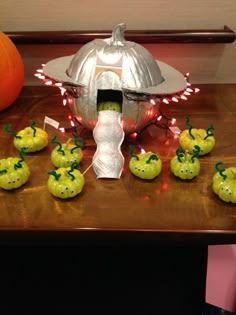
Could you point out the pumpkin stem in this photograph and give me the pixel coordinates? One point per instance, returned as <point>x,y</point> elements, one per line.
<point>220,170</point>
<point>132,152</point>
<point>73,165</point>
<point>54,173</point>
<point>59,144</point>
<point>32,124</point>
<point>7,129</point>
<point>180,154</point>
<point>190,127</point>
<point>77,145</point>
<point>4,171</point>
<point>118,35</point>
<point>21,155</point>
<point>152,157</point>
<point>209,133</point>
<point>196,151</point>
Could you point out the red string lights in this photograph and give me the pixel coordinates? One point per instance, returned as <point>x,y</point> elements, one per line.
<point>70,91</point>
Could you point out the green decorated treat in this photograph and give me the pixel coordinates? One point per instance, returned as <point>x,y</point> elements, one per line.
<point>31,138</point>
<point>65,182</point>
<point>185,165</point>
<point>145,165</point>
<point>14,172</point>
<point>191,137</point>
<point>109,105</point>
<point>67,153</point>
<point>224,183</point>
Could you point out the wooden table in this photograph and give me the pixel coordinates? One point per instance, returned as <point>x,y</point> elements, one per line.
<point>169,222</point>
<point>164,208</point>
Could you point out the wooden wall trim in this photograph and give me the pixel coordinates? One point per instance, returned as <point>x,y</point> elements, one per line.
<point>225,35</point>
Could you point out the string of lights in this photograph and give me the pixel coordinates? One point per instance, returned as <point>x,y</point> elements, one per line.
<point>71,91</point>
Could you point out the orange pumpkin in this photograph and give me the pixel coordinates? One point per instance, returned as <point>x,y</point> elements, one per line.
<point>11,70</point>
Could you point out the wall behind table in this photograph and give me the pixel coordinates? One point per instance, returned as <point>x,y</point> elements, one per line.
<point>207,63</point>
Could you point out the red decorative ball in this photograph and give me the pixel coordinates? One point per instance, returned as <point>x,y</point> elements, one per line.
<point>11,71</point>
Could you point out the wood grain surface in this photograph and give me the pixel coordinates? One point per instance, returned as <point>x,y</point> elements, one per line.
<point>164,208</point>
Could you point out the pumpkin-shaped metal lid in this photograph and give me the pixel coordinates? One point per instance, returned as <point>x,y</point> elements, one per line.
<point>136,67</point>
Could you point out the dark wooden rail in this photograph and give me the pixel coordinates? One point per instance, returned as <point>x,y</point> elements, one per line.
<point>225,35</point>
